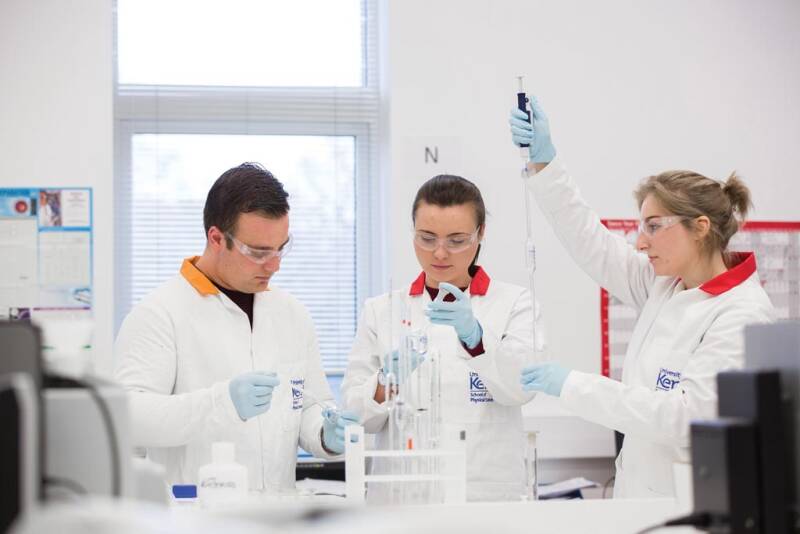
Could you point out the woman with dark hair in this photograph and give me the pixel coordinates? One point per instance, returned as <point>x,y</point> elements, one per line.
<point>481,328</point>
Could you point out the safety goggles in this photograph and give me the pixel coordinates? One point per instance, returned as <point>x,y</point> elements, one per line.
<point>454,243</point>
<point>261,256</point>
<point>653,225</point>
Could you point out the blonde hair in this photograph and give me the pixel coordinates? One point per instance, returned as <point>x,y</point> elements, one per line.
<point>691,195</point>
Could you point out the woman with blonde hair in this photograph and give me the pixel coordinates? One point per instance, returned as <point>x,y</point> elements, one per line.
<point>692,295</point>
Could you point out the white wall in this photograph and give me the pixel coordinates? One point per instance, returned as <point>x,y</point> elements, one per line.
<point>631,88</point>
<point>56,117</point>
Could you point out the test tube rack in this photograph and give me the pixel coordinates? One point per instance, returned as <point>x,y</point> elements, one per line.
<point>452,475</point>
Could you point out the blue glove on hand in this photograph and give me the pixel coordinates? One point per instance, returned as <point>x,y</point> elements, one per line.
<point>392,365</point>
<point>457,314</point>
<point>536,135</point>
<point>547,377</point>
<point>251,393</point>
<point>333,428</point>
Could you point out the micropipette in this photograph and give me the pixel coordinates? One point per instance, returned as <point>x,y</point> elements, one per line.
<point>530,246</point>
<point>522,105</point>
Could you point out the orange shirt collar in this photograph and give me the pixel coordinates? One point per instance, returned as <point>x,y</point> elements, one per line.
<point>196,278</point>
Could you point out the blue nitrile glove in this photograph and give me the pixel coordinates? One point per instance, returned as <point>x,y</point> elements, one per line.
<point>457,314</point>
<point>536,135</point>
<point>333,428</point>
<point>251,392</point>
<point>391,364</point>
<point>547,377</point>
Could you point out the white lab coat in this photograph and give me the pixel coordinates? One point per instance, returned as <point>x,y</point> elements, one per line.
<point>176,352</point>
<point>481,394</point>
<point>682,339</point>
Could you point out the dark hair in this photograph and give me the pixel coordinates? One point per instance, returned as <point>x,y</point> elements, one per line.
<point>689,194</point>
<point>449,190</point>
<point>247,188</point>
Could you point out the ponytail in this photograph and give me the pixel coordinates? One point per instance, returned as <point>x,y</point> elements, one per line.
<point>739,196</point>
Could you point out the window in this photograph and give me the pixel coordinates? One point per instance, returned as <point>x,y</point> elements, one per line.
<point>258,43</point>
<point>189,107</point>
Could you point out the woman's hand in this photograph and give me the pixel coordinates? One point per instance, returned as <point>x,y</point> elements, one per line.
<point>536,135</point>
<point>548,377</point>
<point>457,314</point>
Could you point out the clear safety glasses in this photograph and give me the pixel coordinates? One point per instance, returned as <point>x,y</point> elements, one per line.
<point>454,243</point>
<point>653,225</point>
<point>261,256</point>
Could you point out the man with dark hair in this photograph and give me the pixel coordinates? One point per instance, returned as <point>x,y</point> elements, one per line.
<point>216,354</point>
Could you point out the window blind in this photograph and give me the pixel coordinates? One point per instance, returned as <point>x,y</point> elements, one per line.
<point>172,142</point>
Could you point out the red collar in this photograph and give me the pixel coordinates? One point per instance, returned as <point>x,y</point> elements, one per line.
<point>478,286</point>
<point>744,265</point>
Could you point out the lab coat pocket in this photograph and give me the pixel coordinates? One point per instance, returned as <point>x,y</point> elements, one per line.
<point>665,368</point>
<point>465,398</point>
<point>289,396</point>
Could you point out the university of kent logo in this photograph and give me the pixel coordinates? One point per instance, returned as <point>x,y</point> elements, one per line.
<point>298,384</point>
<point>667,379</point>
<point>477,390</point>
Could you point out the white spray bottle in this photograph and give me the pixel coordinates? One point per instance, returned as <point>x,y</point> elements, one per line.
<point>223,481</point>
